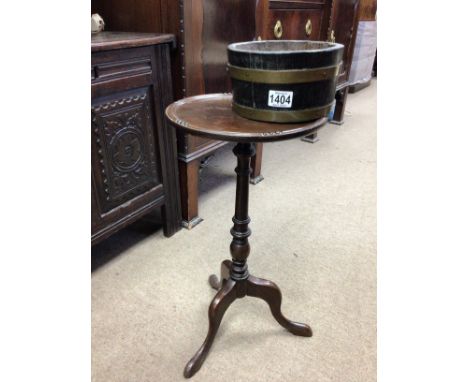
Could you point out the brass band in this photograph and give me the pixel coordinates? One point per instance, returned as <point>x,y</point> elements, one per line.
<point>293,76</point>
<point>281,116</point>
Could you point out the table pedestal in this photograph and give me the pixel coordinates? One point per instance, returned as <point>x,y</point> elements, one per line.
<point>235,281</point>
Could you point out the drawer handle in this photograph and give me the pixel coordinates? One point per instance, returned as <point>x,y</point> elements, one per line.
<point>278,29</point>
<point>308,27</point>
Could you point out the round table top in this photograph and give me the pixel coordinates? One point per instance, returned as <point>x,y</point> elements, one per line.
<point>211,116</point>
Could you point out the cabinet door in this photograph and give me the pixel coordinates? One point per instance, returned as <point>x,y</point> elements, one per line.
<point>126,173</point>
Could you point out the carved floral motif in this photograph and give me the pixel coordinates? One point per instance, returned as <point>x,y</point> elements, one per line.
<point>124,139</point>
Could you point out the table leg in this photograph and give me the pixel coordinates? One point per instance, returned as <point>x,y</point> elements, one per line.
<point>235,281</point>
<point>341,97</point>
<point>271,294</point>
<point>216,283</point>
<point>225,296</point>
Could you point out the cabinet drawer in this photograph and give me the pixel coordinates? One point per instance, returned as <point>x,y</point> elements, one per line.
<point>113,65</point>
<point>293,24</point>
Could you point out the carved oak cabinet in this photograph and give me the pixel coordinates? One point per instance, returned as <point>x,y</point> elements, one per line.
<point>203,29</point>
<point>133,150</point>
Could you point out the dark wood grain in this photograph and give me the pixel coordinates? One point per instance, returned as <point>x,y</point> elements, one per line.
<point>296,4</point>
<point>343,22</point>
<point>220,21</point>
<point>367,10</point>
<point>211,116</point>
<point>130,15</point>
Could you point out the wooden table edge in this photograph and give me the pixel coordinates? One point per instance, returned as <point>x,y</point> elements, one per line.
<point>246,138</point>
<point>239,136</point>
<point>138,39</point>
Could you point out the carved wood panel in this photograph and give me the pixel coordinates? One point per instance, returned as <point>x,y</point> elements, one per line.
<point>124,146</point>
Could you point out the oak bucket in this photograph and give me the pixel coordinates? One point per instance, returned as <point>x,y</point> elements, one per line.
<point>283,81</point>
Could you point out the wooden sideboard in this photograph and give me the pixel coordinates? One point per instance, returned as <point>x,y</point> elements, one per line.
<point>133,149</point>
<point>332,20</point>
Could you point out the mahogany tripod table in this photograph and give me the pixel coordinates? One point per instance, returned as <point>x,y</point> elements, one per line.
<point>211,116</point>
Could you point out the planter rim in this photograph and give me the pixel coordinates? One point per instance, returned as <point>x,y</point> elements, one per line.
<point>328,47</point>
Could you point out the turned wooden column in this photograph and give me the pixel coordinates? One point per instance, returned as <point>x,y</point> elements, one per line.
<point>240,247</point>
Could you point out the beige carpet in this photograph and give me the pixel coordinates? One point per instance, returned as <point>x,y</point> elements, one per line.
<point>314,234</point>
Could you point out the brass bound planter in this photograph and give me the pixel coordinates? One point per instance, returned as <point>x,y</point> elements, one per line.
<point>283,81</point>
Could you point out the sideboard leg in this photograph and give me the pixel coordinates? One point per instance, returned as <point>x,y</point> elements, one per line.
<point>256,165</point>
<point>341,97</point>
<point>188,173</point>
<point>170,220</point>
<point>312,138</point>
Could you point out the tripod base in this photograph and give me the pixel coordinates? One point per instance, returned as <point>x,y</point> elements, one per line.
<point>228,291</point>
